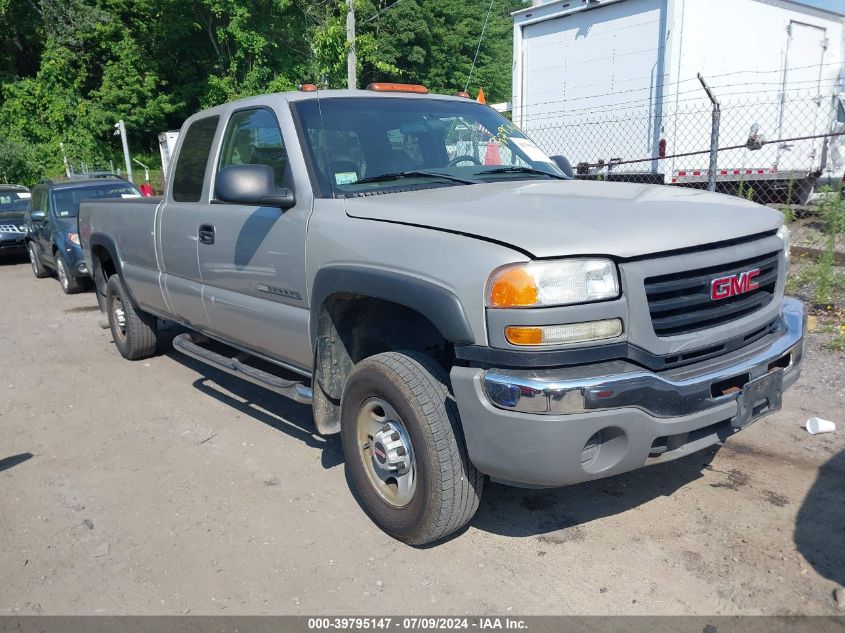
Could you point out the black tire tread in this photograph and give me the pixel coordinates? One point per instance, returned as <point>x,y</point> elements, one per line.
<point>141,328</point>
<point>75,285</point>
<point>40,271</point>
<point>460,483</point>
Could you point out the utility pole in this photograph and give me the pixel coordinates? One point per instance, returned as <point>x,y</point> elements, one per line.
<point>351,59</point>
<point>120,129</point>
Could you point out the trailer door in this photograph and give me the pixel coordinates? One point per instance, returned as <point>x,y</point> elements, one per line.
<point>591,81</point>
<point>799,114</point>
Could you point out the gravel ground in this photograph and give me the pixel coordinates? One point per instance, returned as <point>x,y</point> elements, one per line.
<point>163,487</point>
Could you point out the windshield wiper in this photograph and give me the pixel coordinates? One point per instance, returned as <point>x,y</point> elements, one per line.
<point>414,174</point>
<point>519,170</point>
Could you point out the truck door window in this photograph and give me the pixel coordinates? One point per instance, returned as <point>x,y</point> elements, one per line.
<point>192,160</point>
<point>253,137</point>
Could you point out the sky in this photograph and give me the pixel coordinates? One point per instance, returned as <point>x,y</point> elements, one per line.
<point>832,5</point>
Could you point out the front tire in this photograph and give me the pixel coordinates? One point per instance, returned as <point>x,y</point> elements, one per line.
<point>70,285</point>
<point>135,333</point>
<point>37,267</point>
<point>405,454</point>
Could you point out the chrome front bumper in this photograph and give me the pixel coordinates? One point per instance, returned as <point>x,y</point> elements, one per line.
<point>572,424</point>
<point>677,392</point>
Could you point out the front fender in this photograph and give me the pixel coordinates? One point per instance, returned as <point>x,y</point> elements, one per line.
<point>439,305</point>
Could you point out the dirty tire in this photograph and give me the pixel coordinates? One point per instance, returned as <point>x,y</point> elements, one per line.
<point>38,268</point>
<point>448,487</point>
<point>70,285</point>
<point>136,338</point>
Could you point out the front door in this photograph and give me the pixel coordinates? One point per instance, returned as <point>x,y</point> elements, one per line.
<point>181,283</point>
<point>40,201</point>
<point>252,258</point>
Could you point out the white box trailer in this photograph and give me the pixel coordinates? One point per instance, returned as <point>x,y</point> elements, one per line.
<point>607,81</point>
<point>166,145</point>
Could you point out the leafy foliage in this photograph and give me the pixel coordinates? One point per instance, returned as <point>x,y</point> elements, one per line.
<point>69,69</point>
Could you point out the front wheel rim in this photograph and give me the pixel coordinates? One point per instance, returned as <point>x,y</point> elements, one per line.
<point>386,452</point>
<point>32,259</point>
<point>61,272</point>
<point>119,318</point>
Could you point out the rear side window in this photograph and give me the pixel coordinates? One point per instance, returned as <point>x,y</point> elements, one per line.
<point>193,157</point>
<point>253,138</point>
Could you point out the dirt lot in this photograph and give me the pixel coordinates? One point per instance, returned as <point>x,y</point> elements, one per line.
<point>161,487</point>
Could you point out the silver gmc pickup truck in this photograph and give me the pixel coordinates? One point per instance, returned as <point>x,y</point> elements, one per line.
<point>448,298</point>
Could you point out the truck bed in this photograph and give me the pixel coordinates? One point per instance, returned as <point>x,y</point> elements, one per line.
<point>129,225</point>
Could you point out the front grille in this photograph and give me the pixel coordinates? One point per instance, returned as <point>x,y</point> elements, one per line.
<point>680,303</point>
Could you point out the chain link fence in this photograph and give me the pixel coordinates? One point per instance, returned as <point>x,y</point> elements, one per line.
<point>774,149</point>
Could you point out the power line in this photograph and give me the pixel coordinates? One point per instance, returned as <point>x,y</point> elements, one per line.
<point>478,48</point>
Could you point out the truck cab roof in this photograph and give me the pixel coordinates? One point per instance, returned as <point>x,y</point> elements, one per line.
<point>331,93</point>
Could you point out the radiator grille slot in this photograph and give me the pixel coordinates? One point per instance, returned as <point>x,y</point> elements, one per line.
<point>680,303</point>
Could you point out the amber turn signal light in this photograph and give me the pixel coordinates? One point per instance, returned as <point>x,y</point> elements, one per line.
<point>524,335</point>
<point>565,333</point>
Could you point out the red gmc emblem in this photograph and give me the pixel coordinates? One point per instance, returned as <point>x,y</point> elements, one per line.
<point>733,285</point>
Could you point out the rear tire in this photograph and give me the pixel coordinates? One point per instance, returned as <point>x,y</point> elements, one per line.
<point>70,285</point>
<point>135,333</point>
<point>408,393</point>
<point>37,267</point>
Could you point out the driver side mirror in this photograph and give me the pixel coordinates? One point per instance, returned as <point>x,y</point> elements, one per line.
<point>564,165</point>
<point>251,185</point>
<point>38,215</point>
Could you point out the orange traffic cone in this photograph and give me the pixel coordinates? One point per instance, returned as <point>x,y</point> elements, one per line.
<point>481,98</point>
<point>492,156</point>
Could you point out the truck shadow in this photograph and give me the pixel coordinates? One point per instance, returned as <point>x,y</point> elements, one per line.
<point>263,406</point>
<point>820,525</point>
<point>556,514</point>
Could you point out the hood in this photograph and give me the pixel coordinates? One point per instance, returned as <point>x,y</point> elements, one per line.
<point>12,215</point>
<point>575,217</point>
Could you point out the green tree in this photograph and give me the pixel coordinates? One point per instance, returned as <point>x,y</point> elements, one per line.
<point>69,69</point>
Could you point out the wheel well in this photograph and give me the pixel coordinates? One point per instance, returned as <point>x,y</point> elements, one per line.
<point>354,327</point>
<point>103,268</point>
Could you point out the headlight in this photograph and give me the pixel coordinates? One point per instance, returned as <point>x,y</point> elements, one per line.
<point>553,283</point>
<point>73,237</point>
<point>786,235</point>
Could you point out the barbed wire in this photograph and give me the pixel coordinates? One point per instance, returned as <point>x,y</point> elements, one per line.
<point>773,148</point>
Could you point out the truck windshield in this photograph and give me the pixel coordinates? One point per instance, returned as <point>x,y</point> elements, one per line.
<point>358,145</point>
<point>66,201</point>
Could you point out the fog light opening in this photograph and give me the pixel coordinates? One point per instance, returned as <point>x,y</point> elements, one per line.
<point>604,449</point>
<point>591,449</point>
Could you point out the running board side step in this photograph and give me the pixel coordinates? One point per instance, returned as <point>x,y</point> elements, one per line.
<point>292,389</point>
